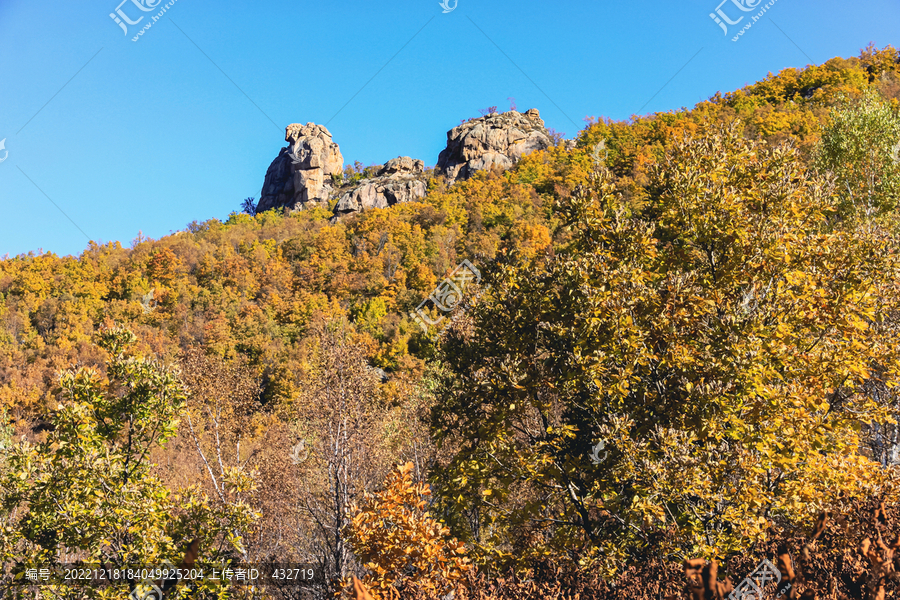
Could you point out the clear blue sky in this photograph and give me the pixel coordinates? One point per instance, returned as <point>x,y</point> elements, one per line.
<point>148,136</point>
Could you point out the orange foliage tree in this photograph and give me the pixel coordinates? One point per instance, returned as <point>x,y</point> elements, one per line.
<point>400,543</point>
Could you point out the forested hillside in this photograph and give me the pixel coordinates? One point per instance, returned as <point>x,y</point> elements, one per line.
<point>684,344</point>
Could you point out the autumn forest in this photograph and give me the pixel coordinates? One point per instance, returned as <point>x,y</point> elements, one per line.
<point>681,359</point>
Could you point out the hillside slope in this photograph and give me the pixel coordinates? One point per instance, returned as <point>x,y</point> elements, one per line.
<point>250,285</point>
<point>626,277</point>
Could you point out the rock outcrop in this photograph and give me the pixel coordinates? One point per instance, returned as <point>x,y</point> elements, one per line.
<point>399,180</point>
<point>301,174</point>
<point>497,139</point>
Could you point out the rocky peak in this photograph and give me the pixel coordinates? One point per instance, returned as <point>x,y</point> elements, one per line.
<point>497,139</point>
<point>301,174</point>
<point>534,115</point>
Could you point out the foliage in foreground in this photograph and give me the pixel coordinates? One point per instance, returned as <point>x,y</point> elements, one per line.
<point>86,493</point>
<point>720,338</point>
<point>840,556</point>
<point>400,544</point>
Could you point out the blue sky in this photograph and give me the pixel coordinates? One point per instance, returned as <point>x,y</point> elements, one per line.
<point>107,137</point>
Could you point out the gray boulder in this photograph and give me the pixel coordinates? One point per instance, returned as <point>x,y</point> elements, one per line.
<point>494,140</point>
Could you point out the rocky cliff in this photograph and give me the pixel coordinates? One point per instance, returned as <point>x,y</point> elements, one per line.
<point>301,174</point>
<point>497,139</point>
<point>399,180</point>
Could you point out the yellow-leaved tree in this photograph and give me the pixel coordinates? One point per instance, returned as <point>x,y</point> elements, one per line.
<point>687,371</point>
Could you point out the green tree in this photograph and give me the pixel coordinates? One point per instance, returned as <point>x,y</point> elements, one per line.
<point>88,490</point>
<point>861,147</point>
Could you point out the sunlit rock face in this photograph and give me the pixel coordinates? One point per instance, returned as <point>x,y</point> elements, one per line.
<point>496,139</point>
<point>301,174</point>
